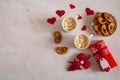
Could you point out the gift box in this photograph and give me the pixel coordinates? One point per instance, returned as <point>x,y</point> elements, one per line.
<point>103,56</point>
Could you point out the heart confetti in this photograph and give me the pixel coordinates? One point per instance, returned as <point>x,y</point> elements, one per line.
<point>89,11</point>
<point>51,20</point>
<point>72,6</point>
<point>83,28</point>
<point>60,13</point>
<point>79,17</point>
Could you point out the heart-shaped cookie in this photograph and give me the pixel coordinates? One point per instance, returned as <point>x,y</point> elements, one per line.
<point>89,11</point>
<point>83,28</point>
<point>60,13</point>
<point>72,6</point>
<point>51,20</point>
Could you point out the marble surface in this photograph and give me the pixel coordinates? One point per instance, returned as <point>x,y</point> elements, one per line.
<point>27,43</point>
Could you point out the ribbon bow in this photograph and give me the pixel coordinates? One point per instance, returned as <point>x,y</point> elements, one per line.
<point>81,62</point>
<point>99,48</point>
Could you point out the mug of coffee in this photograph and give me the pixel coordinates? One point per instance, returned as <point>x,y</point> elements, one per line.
<point>69,24</point>
<point>82,41</point>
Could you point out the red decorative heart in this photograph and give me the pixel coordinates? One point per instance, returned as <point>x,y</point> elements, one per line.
<point>72,6</point>
<point>60,13</point>
<point>79,17</point>
<point>83,28</point>
<point>51,20</point>
<point>89,11</point>
<point>81,62</point>
<point>107,69</point>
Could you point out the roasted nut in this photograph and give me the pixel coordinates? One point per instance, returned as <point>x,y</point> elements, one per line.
<point>57,34</point>
<point>57,40</point>
<point>96,27</point>
<point>57,37</point>
<point>98,14</point>
<point>95,21</point>
<point>104,30</point>
<point>111,28</point>
<point>62,50</point>
<point>108,17</point>
<point>99,32</point>
<point>101,20</point>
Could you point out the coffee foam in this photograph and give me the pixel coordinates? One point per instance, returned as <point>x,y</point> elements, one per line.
<point>69,24</point>
<point>81,41</point>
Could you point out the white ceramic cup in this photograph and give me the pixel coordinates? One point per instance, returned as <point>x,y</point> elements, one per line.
<point>69,24</point>
<point>82,41</point>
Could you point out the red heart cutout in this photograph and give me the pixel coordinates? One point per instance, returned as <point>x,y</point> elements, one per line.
<point>83,28</point>
<point>107,69</point>
<point>51,20</point>
<point>72,6</point>
<point>79,17</point>
<point>89,11</point>
<point>60,12</point>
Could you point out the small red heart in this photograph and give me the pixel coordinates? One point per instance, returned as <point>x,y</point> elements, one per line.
<point>89,11</point>
<point>83,28</point>
<point>72,6</point>
<point>79,17</point>
<point>107,69</point>
<point>51,20</point>
<point>60,12</point>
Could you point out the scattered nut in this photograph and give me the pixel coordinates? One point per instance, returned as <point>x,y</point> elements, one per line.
<point>57,37</point>
<point>62,50</point>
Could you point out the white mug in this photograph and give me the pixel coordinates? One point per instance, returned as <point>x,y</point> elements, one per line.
<point>82,41</point>
<point>69,24</point>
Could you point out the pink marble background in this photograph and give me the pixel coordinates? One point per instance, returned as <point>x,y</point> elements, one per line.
<point>26,40</point>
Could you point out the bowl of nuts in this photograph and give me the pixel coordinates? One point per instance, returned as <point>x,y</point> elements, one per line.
<point>104,24</point>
